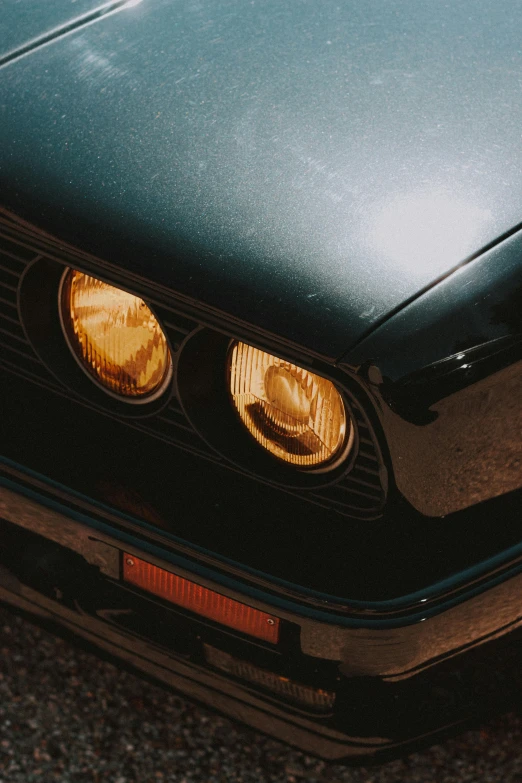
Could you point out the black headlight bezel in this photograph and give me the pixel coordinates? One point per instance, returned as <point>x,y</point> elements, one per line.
<point>348,441</point>
<point>39,302</point>
<point>146,399</point>
<point>204,394</point>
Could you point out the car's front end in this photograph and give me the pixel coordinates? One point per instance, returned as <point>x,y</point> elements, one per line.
<point>257,441</point>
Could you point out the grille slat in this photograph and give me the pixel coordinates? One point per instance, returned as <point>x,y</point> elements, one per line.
<point>36,374</point>
<point>9,302</point>
<point>172,423</point>
<point>369,471</point>
<point>17,349</point>
<point>368,455</point>
<point>8,282</point>
<point>354,479</point>
<point>14,331</point>
<point>356,505</point>
<point>181,329</point>
<point>365,441</point>
<point>22,252</point>
<point>174,411</point>
<point>359,491</point>
<point>10,266</point>
<point>185,438</point>
<point>9,319</point>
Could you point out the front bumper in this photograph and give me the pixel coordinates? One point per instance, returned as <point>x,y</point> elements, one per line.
<point>399,678</point>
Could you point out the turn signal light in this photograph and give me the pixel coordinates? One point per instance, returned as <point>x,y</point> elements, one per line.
<point>200,600</point>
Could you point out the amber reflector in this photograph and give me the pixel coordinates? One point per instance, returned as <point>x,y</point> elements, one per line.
<point>314,699</point>
<point>293,413</point>
<point>200,600</point>
<point>115,337</point>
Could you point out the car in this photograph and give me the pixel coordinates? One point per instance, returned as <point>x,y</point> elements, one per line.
<point>260,349</point>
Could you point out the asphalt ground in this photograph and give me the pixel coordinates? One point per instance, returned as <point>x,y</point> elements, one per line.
<point>67,716</point>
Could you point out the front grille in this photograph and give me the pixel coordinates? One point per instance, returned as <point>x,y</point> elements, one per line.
<point>360,493</point>
<point>17,353</point>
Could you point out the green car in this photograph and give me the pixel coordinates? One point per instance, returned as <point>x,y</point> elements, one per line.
<point>261,352</point>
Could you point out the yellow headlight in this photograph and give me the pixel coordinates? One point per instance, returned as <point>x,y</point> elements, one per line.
<point>296,415</point>
<point>115,337</point>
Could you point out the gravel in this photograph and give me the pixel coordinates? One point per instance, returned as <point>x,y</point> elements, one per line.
<point>67,716</point>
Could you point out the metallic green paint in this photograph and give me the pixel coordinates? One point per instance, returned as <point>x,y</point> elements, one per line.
<point>308,167</point>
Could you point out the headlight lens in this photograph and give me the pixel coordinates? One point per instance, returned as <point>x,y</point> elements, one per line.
<point>294,414</point>
<point>115,337</point>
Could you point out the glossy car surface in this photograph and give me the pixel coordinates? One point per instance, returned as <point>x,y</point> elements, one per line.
<point>337,185</point>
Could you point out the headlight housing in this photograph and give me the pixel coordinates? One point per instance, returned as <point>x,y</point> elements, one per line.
<point>297,416</point>
<point>114,337</point>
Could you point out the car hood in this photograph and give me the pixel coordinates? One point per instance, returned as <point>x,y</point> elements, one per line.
<point>308,167</point>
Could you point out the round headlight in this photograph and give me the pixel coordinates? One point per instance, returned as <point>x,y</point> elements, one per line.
<point>294,414</point>
<point>114,337</point>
